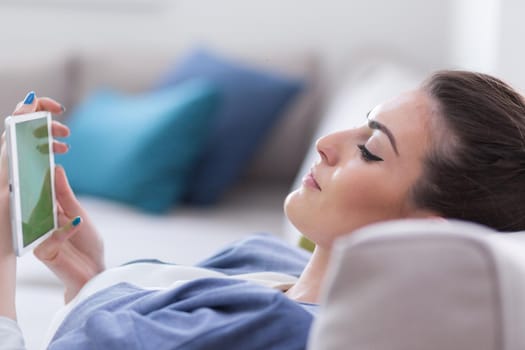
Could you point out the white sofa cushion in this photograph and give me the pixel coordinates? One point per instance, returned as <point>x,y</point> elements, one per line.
<point>420,284</point>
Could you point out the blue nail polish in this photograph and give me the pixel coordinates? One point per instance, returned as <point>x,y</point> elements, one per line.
<point>76,221</point>
<point>29,98</point>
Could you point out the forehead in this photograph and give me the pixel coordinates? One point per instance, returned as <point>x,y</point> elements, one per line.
<point>411,106</point>
<point>407,116</point>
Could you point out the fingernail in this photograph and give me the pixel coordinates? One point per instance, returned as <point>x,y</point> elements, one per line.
<point>63,108</point>
<point>29,98</point>
<point>76,221</point>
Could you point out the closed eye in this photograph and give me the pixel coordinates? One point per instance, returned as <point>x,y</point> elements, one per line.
<point>367,156</point>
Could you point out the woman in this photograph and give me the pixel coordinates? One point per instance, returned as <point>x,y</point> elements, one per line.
<point>452,148</point>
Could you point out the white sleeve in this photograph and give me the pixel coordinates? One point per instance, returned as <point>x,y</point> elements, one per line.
<point>11,335</point>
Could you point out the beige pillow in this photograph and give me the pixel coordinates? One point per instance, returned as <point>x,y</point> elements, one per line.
<point>423,284</point>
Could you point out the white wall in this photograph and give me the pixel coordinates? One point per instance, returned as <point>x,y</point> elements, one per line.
<point>511,52</point>
<point>475,36</point>
<point>488,36</point>
<point>483,35</point>
<point>341,30</point>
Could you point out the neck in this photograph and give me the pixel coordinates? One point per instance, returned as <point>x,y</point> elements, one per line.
<point>308,286</point>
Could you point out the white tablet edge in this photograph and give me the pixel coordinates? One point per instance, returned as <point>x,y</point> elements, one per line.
<point>16,221</point>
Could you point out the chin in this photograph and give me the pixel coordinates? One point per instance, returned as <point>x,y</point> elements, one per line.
<point>288,203</point>
<point>297,212</point>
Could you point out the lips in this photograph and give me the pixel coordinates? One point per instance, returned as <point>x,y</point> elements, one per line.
<point>310,181</point>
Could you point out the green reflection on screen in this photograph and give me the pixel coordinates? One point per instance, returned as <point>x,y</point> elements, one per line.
<point>35,179</point>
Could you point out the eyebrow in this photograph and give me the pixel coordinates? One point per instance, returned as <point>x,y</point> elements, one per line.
<point>373,124</point>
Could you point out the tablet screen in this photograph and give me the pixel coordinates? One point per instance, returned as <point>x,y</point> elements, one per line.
<point>34,173</point>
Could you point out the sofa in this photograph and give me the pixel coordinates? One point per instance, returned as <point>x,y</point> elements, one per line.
<point>370,298</point>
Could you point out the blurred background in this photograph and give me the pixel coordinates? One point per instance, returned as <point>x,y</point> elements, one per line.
<point>481,35</point>
<point>160,180</point>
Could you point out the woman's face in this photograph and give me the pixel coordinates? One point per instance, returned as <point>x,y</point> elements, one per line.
<point>364,174</point>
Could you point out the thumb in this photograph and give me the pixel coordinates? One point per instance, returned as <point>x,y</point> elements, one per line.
<point>28,105</point>
<point>49,249</point>
<point>65,195</point>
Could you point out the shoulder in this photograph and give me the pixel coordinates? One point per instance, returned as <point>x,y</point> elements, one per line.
<point>259,252</point>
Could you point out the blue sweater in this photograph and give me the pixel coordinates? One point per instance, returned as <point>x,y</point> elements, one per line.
<point>207,313</point>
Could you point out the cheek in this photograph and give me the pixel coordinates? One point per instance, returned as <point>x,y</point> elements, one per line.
<point>359,190</point>
<point>353,197</point>
<point>358,198</point>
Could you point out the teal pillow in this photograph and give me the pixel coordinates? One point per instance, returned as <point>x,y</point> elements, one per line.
<point>140,149</point>
<point>252,102</point>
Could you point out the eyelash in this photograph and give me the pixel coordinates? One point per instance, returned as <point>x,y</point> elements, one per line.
<point>367,156</point>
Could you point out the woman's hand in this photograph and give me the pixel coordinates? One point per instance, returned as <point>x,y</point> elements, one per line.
<point>30,104</point>
<point>74,252</point>
<point>7,255</point>
<point>6,246</point>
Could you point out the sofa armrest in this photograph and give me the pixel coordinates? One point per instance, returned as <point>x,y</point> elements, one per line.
<point>423,284</point>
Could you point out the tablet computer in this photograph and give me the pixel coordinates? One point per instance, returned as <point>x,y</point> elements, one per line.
<point>29,145</point>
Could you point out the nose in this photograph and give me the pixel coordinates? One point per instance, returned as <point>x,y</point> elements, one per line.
<point>327,148</point>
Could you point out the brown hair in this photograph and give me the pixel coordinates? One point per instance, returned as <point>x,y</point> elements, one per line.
<point>475,170</point>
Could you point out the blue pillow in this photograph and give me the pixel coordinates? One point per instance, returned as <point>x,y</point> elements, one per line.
<point>139,150</point>
<point>252,101</point>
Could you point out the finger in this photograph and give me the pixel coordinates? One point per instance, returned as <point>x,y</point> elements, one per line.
<point>62,217</point>
<point>66,229</point>
<point>43,148</point>
<point>48,104</point>
<point>28,105</point>
<point>33,104</point>
<point>41,132</point>
<point>3,162</point>
<point>3,167</point>
<point>65,195</point>
<point>50,248</point>
<point>59,130</point>
<point>60,147</point>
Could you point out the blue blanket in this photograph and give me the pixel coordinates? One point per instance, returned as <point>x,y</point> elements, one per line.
<point>207,313</point>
